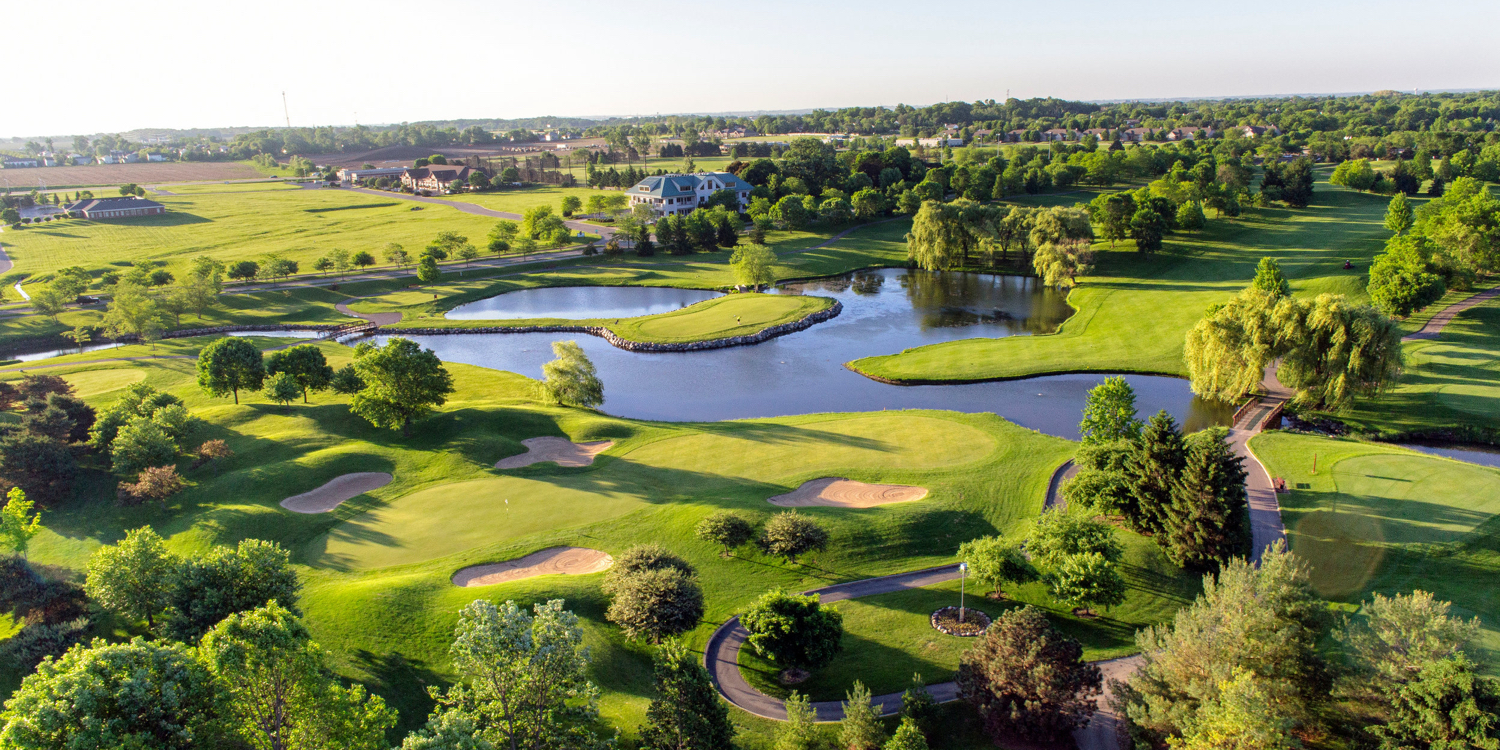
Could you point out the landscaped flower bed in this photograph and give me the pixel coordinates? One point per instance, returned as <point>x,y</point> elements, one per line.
<point>946,620</point>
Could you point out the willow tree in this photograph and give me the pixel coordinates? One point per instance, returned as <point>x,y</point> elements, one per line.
<point>1228,350</point>
<point>939,237</point>
<point>1336,350</point>
<point>1063,238</point>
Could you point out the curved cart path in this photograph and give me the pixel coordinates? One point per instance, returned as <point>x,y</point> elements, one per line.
<point>1438,322</point>
<point>1266,527</point>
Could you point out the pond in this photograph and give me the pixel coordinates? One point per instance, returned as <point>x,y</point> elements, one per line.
<point>578,302</point>
<point>50,353</point>
<point>885,311</point>
<point>1482,455</point>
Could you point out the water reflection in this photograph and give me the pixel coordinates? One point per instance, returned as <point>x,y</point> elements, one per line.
<point>1012,304</point>
<point>578,302</point>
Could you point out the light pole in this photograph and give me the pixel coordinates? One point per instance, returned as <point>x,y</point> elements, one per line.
<point>963,574</point>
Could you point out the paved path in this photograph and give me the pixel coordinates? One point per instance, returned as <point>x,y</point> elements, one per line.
<point>1265,510</point>
<point>1435,325</point>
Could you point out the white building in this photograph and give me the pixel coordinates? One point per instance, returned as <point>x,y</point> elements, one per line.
<point>681,193</point>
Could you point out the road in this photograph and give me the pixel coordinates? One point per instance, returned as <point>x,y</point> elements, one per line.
<point>1266,527</point>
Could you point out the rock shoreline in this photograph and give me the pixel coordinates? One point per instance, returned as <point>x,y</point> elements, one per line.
<point>639,346</point>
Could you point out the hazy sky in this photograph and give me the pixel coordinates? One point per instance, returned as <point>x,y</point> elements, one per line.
<point>115,67</point>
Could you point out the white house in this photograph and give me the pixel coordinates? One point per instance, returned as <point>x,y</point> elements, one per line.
<point>681,193</point>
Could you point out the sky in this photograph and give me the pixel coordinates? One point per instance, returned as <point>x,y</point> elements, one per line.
<point>173,64</point>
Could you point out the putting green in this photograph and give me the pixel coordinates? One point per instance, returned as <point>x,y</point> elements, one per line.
<point>734,315</point>
<point>449,518</point>
<point>778,452</point>
<point>1416,499</point>
<point>94,382</point>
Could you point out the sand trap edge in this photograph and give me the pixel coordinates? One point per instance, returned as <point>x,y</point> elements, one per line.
<point>560,451</point>
<point>336,491</point>
<point>837,492</point>
<point>550,561</point>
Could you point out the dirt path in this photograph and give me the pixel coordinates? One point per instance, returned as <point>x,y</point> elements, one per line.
<point>1435,326</point>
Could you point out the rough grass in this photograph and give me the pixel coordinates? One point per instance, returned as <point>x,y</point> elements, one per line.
<point>1383,519</point>
<point>1134,311</point>
<point>390,627</point>
<point>1451,381</point>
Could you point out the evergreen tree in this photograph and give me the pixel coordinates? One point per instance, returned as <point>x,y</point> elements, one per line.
<point>1204,526</point>
<point>1448,706</point>
<point>1268,278</point>
<point>860,729</point>
<point>1109,413</point>
<point>907,737</point>
<point>917,704</point>
<point>799,732</point>
<point>1399,214</point>
<point>1153,470</point>
<point>686,713</point>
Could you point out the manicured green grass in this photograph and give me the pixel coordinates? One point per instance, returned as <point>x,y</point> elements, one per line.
<point>240,226</point>
<point>229,187</point>
<point>1382,519</point>
<point>734,315</point>
<point>1451,381</point>
<point>520,200</point>
<point>889,637</point>
<point>1134,311</point>
<point>390,627</point>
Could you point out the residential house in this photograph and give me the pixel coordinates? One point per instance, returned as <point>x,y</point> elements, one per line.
<point>1252,131</point>
<point>434,178</point>
<point>930,142</point>
<point>352,176</point>
<point>1061,134</point>
<point>76,159</point>
<point>681,193</point>
<point>736,131</point>
<point>12,162</point>
<point>1189,133</point>
<point>1136,134</point>
<point>116,208</point>
<point>1100,133</point>
<point>1015,136</point>
<point>156,157</point>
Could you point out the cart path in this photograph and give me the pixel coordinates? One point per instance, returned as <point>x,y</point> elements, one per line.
<point>1438,322</point>
<point>1266,527</point>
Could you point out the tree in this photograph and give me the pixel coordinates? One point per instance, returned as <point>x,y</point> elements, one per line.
<point>1395,637</point>
<point>1401,281</point>
<point>1113,213</point>
<point>200,291</point>
<point>868,204</point>
<point>229,364</point>
<point>790,213</point>
<point>1269,280</point>
<point>860,729</point>
<point>656,603</point>
<point>907,737</point>
<point>427,270</point>
<point>790,534</point>
<point>798,732</point>
<point>402,381</point>
<point>9,216</point>
<point>1355,174</point>
<point>140,401</point>
<point>1109,413</point>
<point>793,630</point>
<point>1241,715</point>
<point>282,388</point>
<point>1153,469</point>
<point>686,713</point>
<point>1204,526</point>
<point>938,239</point>
<point>114,695</point>
<point>1190,216</point>
<point>278,695</point>
<point>571,204</point>
<point>467,254</point>
<point>1448,705</point>
<point>1263,620</point>
<point>346,381</point>
<point>917,704</point>
<point>1027,679</point>
<point>1336,350</point>
<point>1297,182</point>
<point>18,524</point>
<point>45,300</point>
<point>1085,580</point>
<point>225,580</point>
<point>995,561</point>
<point>44,468</point>
<point>131,578</point>
<point>571,378</point>
<point>134,312</point>
<point>1147,227</point>
<point>1399,214</point>
<point>754,265</point>
<point>727,529</point>
<point>502,235</point>
<point>396,255</point>
<point>362,259</point>
<point>523,678</point>
<point>305,364</point>
<point>245,270</point>
<point>1059,535</point>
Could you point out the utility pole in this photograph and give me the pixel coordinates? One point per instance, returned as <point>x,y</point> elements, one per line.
<point>286,111</point>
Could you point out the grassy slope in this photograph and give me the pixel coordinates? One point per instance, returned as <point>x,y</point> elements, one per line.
<point>520,200</point>
<point>239,226</point>
<point>1454,380</point>
<point>390,626</point>
<point>1134,311</point>
<point>1377,518</point>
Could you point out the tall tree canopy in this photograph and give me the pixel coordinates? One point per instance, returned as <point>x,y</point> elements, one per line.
<point>402,381</point>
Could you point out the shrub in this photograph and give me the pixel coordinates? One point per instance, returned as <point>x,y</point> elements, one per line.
<point>727,529</point>
<point>33,643</point>
<point>211,450</point>
<point>656,603</point>
<point>153,483</point>
<point>791,534</point>
<point>793,630</point>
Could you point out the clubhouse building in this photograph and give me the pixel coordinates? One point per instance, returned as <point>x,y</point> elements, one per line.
<point>116,208</point>
<point>681,193</point>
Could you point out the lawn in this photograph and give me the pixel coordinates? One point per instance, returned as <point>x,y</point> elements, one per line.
<point>1453,381</point>
<point>199,188</point>
<point>519,201</point>
<point>300,224</point>
<point>889,637</point>
<point>1379,518</point>
<point>1135,310</point>
<point>376,571</point>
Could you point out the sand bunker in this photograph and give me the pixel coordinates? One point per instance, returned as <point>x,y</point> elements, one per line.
<point>833,492</point>
<point>557,450</point>
<point>336,491</point>
<point>551,561</point>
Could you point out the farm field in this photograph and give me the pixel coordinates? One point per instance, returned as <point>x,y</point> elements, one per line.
<point>1384,519</point>
<point>376,570</point>
<point>119,174</point>
<point>1134,311</point>
<point>300,224</point>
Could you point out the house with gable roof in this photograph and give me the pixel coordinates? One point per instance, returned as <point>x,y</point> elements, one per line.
<point>681,193</point>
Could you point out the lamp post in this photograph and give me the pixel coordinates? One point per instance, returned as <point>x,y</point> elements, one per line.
<point>963,574</point>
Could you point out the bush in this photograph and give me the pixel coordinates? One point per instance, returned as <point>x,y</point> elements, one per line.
<point>791,534</point>
<point>727,529</point>
<point>642,558</point>
<point>793,630</point>
<point>656,603</point>
<point>142,443</point>
<point>153,483</point>
<point>33,643</point>
<point>211,450</point>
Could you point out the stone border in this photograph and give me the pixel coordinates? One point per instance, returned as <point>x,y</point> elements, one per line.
<point>638,346</point>
<point>970,613</point>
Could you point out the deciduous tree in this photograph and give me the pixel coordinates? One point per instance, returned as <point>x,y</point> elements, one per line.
<point>686,713</point>
<point>727,529</point>
<point>1109,413</point>
<point>131,578</point>
<point>209,587</point>
<point>306,365</point>
<point>229,364</point>
<point>790,534</point>
<point>571,378</point>
<point>402,381</point>
<point>793,630</point>
<point>995,561</point>
<point>18,523</point>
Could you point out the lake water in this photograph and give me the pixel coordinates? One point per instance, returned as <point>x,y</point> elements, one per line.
<point>1474,455</point>
<point>578,302</point>
<point>884,312</point>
